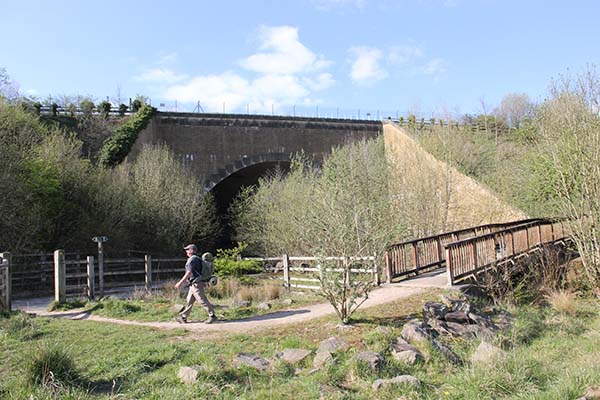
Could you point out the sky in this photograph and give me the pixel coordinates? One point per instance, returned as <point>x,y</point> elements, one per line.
<point>338,58</point>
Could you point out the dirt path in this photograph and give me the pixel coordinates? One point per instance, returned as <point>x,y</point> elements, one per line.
<point>381,295</point>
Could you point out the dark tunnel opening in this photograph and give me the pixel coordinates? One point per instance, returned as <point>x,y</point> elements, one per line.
<point>228,189</point>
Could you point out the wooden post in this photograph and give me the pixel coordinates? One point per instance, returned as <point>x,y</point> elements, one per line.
<point>7,257</point>
<point>148,271</point>
<point>388,265</point>
<point>449,278</point>
<point>416,258</point>
<point>100,269</point>
<point>286,271</point>
<point>90,277</point>
<point>376,280</point>
<point>474,250</point>
<point>440,251</point>
<point>60,279</point>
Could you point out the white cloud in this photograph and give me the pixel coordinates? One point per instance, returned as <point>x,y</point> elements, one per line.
<point>282,72</point>
<point>167,58</point>
<point>320,82</point>
<point>160,75</point>
<point>366,66</point>
<point>404,55</point>
<point>283,53</point>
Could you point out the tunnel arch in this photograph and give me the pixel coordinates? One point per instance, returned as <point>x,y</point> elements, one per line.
<point>226,189</point>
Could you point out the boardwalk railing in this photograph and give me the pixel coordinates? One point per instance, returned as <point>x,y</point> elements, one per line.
<point>426,254</point>
<point>304,272</point>
<point>467,257</point>
<point>5,281</point>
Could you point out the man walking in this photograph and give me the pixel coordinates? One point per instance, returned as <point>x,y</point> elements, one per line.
<point>193,273</point>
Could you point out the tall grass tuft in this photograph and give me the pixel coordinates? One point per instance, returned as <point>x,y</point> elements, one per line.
<point>52,367</point>
<point>19,326</point>
<point>563,302</point>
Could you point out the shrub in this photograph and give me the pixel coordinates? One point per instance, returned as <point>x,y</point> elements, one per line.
<point>51,366</point>
<point>228,262</point>
<point>54,109</point>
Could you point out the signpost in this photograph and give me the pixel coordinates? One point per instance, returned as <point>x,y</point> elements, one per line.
<point>100,240</point>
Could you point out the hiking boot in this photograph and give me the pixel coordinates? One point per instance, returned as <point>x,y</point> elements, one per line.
<point>211,319</point>
<point>181,320</point>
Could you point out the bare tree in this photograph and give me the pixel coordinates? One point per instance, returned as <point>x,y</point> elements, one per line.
<point>514,109</point>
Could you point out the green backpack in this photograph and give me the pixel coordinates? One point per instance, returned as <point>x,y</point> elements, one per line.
<point>207,268</point>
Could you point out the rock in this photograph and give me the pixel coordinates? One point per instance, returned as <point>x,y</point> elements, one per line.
<point>408,380</point>
<point>264,306</point>
<point>440,327</point>
<point>241,303</point>
<point>406,353</point>
<point>322,358</point>
<point>416,331</point>
<point>486,353</point>
<point>482,320</point>
<point>434,310</point>
<point>461,330</point>
<point>287,302</point>
<point>189,375</point>
<point>459,317</point>
<point>333,345</point>
<point>251,360</point>
<point>293,356</point>
<point>462,305</point>
<point>447,352</point>
<point>373,359</point>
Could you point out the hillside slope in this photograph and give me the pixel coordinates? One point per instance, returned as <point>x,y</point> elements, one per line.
<point>439,192</point>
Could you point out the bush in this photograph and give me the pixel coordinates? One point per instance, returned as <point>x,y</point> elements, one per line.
<point>122,109</point>
<point>51,366</point>
<point>87,107</point>
<point>228,262</point>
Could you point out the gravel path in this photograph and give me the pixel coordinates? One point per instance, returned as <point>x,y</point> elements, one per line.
<point>383,294</point>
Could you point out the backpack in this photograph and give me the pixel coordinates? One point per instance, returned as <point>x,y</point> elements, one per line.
<point>207,269</point>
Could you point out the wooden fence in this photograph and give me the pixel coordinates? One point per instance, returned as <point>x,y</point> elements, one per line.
<point>5,281</point>
<point>426,254</point>
<point>467,257</point>
<point>305,272</point>
<point>71,275</point>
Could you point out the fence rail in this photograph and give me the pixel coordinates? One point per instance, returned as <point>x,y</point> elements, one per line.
<point>307,273</point>
<point>426,254</point>
<point>467,257</point>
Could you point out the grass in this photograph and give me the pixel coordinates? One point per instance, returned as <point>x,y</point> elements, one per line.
<point>544,360</point>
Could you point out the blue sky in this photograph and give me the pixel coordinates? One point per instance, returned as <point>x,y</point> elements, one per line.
<point>326,56</point>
